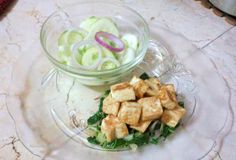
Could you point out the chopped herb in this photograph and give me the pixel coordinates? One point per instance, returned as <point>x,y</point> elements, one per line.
<point>96,118</point>
<point>99,115</point>
<point>144,76</point>
<point>106,93</point>
<point>154,140</point>
<point>140,139</point>
<point>166,130</point>
<point>92,140</point>
<point>114,144</point>
<point>181,104</point>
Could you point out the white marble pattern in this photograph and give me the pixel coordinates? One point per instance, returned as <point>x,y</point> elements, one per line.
<point>195,28</point>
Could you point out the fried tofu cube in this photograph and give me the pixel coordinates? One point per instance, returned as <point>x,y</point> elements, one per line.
<point>171,89</point>
<point>140,86</point>
<point>172,117</point>
<point>167,100</point>
<point>113,128</point>
<point>122,92</point>
<point>110,105</point>
<point>154,86</point>
<point>151,108</point>
<point>108,127</point>
<point>121,130</point>
<point>142,126</point>
<point>130,113</point>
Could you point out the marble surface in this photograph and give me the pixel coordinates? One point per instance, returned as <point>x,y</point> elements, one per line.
<point>187,29</point>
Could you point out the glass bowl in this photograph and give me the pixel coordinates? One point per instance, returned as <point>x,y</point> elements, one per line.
<point>127,20</point>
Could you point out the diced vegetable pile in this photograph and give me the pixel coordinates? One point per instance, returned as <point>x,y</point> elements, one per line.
<point>136,113</point>
<point>96,45</point>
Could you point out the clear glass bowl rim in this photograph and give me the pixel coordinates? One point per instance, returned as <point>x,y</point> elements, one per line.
<point>72,70</point>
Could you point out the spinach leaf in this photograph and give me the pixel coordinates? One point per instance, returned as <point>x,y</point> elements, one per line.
<point>92,140</point>
<point>98,116</point>
<point>114,144</point>
<point>100,104</point>
<point>139,139</point>
<point>167,131</point>
<point>154,140</point>
<point>144,76</point>
<point>181,104</point>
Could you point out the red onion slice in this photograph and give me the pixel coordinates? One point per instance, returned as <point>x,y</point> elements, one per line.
<point>119,43</point>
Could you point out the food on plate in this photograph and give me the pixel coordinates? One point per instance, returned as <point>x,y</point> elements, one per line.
<point>135,113</point>
<point>96,44</point>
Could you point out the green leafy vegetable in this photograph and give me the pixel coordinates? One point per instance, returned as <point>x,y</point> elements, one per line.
<point>92,140</point>
<point>96,118</point>
<point>99,115</point>
<point>144,76</point>
<point>181,104</point>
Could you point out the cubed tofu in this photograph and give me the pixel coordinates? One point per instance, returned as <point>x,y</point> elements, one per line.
<point>142,126</point>
<point>172,117</point>
<point>140,86</point>
<point>151,108</point>
<point>108,127</point>
<point>122,92</point>
<point>113,128</point>
<point>171,89</point>
<point>121,130</point>
<point>110,105</point>
<point>130,113</point>
<point>154,86</point>
<point>166,98</point>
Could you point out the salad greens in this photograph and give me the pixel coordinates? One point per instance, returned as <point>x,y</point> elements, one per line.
<point>155,134</point>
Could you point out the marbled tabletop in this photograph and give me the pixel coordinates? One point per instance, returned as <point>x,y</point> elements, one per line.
<point>183,26</point>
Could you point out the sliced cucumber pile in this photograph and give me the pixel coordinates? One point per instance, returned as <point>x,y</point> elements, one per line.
<point>88,55</point>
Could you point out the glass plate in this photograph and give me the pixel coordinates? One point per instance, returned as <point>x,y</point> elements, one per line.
<point>56,105</point>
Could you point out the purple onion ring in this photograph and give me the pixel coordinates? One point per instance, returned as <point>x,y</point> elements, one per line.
<point>119,43</point>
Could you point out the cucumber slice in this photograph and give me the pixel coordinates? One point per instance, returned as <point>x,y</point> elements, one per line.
<point>88,23</point>
<point>74,37</point>
<point>105,25</point>
<point>109,63</point>
<point>62,40</point>
<point>89,57</point>
<point>64,54</point>
<point>107,53</point>
<point>65,42</point>
<point>131,40</point>
<point>70,36</point>
<point>128,56</point>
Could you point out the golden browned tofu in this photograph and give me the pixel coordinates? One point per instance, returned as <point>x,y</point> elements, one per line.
<point>142,126</point>
<point>130,113</point>
<point>171,89</point>
<point>151,108</point>
<point>122,92</point>
<point>110,105</point>
<point>140,86</point>
<point>166,98</point>
<point>154,86</point>
<point>121,130</point>
<point>113,128</point>
<point>108,127</point>
<point>172,117</point>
